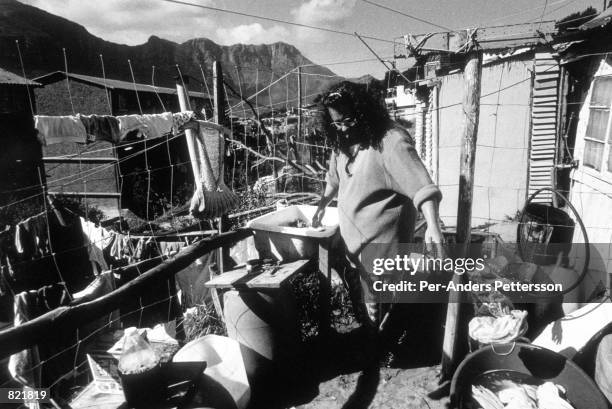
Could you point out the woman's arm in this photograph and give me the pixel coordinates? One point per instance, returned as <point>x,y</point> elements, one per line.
<point>330,192</point>
<point>433,234</point>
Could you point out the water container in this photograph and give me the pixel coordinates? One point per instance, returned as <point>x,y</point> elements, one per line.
<point>266,326</point>
<point>265,322</point>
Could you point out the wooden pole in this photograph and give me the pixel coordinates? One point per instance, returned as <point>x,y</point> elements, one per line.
<point>71,317</point>
<point>298,136</point>
<point>219,118</point>
<point>455,330</point>
<point>299,96</point>
<point>189,135</point>
<point>219,112</point>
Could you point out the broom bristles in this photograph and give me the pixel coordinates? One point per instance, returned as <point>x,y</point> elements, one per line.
<point>210,204</point>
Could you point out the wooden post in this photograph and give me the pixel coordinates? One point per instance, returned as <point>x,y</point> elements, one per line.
<point>219,113</point>
<point>299,124</point>
<point>454,329</point>
<point>299,97</point>
<point>219,118</point>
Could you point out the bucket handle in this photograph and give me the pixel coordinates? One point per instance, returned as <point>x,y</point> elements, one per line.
<point>500,353</point>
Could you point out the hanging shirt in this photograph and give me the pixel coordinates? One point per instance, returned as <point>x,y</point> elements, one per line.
<point>97,239</point>
<point>31,238</point>
<point>378,202</point>
<point>57,129</point>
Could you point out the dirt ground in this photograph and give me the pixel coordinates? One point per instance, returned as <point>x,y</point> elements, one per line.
<point>397,389</point>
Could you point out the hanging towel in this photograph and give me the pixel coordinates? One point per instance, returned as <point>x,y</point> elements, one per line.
<point>146,126</point>
<point>158,125</point>
<point>57,129</point>
<point>131,123</point>
<point>101,128</point>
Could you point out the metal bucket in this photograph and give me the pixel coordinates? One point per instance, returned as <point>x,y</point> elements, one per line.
<point>529,361</point>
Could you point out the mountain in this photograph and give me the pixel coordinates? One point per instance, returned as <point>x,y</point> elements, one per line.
<point>43,36</point>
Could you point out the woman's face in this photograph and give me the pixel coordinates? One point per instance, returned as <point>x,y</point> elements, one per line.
<point>343,120</point>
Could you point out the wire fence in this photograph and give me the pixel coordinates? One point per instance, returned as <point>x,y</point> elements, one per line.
<point>251,168</point>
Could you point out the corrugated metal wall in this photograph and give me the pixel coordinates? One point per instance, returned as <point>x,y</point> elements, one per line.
<point>544,125</point>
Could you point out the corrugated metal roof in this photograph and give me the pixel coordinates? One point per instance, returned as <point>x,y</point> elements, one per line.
<point>7,77</point>
<point>114,84</point>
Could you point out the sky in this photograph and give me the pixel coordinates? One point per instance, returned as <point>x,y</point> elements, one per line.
<point>132,22</point>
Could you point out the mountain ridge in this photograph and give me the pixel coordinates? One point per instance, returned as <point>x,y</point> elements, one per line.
<point>43,37</point>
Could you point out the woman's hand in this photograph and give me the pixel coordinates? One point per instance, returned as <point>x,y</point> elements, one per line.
<point>318,216</point>
<point>434,239</point>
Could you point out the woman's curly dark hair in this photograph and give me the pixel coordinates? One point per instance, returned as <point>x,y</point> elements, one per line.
<point>371,116</point>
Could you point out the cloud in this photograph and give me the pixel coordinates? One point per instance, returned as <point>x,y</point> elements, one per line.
<point>252,34</point>
<point>133,21</point>
<point>321,13</point>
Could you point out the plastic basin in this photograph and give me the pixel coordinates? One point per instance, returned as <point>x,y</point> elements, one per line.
<point>277,237</point>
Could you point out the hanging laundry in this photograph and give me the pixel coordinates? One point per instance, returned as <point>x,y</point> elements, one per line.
<point>101,128</point>
<point>180,119</point>
<point>31,238</point>
<point>24,366</point>
<point>170,248</point>
<point>158,125</point>
<point>131,123</point>
<point>146,126</point>
<point>139,248</point>
<point>57,129</point>
<point>96,239</point>
<point>125,248</point>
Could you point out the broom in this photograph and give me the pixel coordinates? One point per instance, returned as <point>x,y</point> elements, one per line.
<point>212,197</point>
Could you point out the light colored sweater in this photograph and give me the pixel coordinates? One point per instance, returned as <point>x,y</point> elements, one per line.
<point>378,203</point>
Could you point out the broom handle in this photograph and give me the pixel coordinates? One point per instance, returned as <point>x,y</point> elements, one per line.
<point>189,136</point>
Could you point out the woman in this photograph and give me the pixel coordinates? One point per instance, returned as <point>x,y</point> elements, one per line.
<point>379,180</point>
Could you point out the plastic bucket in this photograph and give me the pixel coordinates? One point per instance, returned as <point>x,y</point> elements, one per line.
<point>530,360</point>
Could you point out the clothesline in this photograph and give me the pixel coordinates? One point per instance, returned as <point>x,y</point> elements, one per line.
<point>115,129</point>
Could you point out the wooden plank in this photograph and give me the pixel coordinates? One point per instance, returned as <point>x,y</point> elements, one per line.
<point>79,159</point>
<point>85,194</point>
<point>271,278</point>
